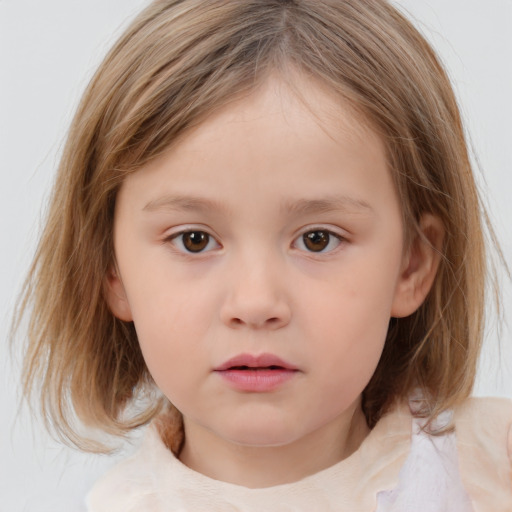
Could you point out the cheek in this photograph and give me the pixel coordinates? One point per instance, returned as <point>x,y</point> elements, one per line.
<point>170,320</point>
<point>350,341</point>
<point>176,317</point>
<point>351,332</point>
<point>351,312</point>
<point>169,317</point>
<point>171,353</point>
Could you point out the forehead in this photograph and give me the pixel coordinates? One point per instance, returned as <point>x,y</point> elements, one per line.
<point>297,141</point>
<point>293,103</point>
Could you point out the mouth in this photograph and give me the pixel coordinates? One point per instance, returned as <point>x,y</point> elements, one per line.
<point>256,374</point>
<point>249,362</point>
<point>257,368</point>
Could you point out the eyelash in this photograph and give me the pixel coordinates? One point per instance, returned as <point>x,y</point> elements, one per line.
<point>177,239</point>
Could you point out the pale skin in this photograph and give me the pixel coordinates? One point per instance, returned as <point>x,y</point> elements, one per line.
<point>253,182</point>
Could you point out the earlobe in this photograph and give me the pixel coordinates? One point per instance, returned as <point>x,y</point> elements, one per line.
<point>419,267</point>
<point>116,296</point>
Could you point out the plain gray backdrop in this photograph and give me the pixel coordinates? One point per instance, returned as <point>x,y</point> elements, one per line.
<point>48,52</point>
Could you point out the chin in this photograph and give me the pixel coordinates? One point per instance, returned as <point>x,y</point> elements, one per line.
<point>263,435</point>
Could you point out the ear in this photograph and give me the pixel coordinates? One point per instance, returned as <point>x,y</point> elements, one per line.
<point>419,267</point>
<point>116,296</point>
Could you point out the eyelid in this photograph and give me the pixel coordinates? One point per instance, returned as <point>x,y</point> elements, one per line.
<point>334,230</point>
<point>177,230</point>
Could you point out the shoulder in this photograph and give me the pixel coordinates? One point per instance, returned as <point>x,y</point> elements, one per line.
<point>483,428</point>
<point>467,468</point>
<point>485,410</point>
<point>129,485</point>
<point>120,489</point>
<point>485,422</point>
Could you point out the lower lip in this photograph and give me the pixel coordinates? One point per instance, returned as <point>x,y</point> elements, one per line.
<point>257,381</point>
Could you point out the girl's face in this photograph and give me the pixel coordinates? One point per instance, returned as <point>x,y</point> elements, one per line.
<point>261,259</point>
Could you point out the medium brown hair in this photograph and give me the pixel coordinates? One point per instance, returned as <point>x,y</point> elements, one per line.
<point>178,62</point>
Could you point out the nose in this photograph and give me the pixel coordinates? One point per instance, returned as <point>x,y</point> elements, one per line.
<point>256,297</point>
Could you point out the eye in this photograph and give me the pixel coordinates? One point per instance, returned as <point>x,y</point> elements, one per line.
<point>194,241</point>
<point>318,240</point>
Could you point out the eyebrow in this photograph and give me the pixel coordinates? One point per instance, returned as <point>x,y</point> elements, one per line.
<point>298,207</point>
<point>328,204</point>
<point>183,203</point>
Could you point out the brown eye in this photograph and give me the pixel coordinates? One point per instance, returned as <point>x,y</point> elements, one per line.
<point>195,241</point>
<point>316,241</point>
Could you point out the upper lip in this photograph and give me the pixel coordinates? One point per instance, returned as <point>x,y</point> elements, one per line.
<point>255,361</point>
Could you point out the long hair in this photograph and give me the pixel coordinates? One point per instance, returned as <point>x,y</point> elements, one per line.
<point>179,61</point>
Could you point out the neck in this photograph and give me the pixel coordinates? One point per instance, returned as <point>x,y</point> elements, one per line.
<point>267,466</point>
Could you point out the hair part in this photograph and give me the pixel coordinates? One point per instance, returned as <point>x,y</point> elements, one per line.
<point>180,61</point>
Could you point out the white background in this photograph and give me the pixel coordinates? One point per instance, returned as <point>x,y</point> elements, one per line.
<point>48,51</point>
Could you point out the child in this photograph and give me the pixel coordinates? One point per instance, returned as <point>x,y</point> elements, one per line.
<point>265,210</point>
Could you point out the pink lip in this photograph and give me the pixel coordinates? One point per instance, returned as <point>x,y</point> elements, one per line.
<point>259,361</point>
<point>261,373</point>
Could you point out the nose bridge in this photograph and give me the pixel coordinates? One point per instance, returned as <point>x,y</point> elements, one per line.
<point>256,290</point>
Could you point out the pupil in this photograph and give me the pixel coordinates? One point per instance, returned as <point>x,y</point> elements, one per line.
<point>316,241</point>
<point>195,241</point>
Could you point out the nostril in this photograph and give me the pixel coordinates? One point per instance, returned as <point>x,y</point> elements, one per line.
<point>268,322</point>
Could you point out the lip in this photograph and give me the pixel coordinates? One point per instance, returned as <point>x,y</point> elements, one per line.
<point>256,373</point>
<point>255,361</point>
